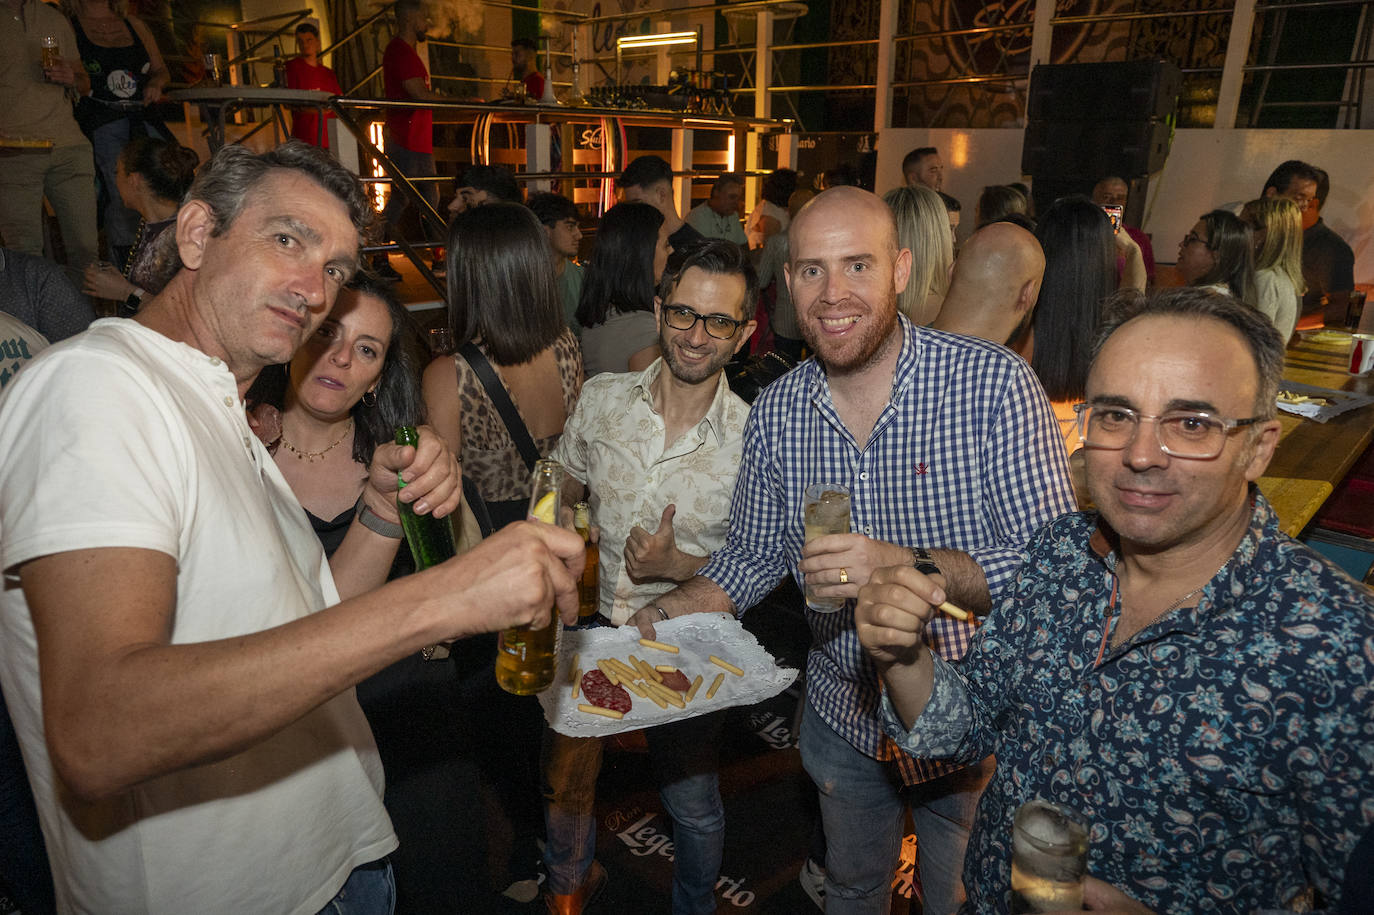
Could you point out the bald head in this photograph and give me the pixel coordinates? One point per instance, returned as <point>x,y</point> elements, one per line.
<point>843,205</point>
<point>995,283</point>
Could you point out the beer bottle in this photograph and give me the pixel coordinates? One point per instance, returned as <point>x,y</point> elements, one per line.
<point>527,658</point>
<point>589,591</point>
<point>430,539</point>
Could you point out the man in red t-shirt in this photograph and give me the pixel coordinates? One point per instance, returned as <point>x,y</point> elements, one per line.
<point>306,72</point>
<point>409,131</point>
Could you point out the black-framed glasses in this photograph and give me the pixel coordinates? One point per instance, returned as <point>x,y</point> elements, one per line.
<point>1193,238</point>
<point>1180,433</point>
<point>680,317</point>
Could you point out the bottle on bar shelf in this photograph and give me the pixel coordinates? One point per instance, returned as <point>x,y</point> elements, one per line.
<point>430,539</point>
<point>526,658</point>
<point>589,591</point>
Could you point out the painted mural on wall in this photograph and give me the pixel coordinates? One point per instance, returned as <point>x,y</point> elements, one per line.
<point>965,80</point>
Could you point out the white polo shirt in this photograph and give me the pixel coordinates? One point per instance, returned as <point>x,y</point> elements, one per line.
<point>120,437</point>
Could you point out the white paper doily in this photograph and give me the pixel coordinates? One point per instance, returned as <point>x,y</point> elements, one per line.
<point>697,636</point>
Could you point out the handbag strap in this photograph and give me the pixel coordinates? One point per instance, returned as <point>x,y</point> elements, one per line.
<point>496,391</point>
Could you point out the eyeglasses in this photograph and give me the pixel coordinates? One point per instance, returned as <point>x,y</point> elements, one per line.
<point>680,317</point>
<point>1180,433</point>
<point>1193,238</point>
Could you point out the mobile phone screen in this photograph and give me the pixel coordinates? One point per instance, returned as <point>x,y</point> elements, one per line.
<point>1114,213</point>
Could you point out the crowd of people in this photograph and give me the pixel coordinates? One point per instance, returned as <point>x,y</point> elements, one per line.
<point>212,628</point>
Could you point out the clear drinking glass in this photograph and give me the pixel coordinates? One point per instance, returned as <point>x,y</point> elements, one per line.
<point>1049,856</point>
<point>825,510</point>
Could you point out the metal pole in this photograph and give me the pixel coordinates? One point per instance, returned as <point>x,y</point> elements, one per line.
<point>1233,69</point>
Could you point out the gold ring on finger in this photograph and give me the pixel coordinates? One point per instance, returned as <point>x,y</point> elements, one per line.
<point>844,577</point>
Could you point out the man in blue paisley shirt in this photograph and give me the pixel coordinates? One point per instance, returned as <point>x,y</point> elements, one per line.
<point>953,461</point>
<point>1174,667</point>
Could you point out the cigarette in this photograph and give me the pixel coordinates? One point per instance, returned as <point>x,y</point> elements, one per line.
<point>727,666</point>
<point>715,685</point>
<point>661,646</point>
<point>609,671</point>
<point>665,693</point>
<point>951,610</point>
<point>576,682</point>
<point>665,668</point>
<point>598,710</point>
<point>696,685</point>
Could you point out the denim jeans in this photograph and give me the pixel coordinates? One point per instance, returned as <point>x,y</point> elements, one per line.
<point>685,759</point>
<point>369,890</point>
<point>863,809</point>
<point>107,142</point>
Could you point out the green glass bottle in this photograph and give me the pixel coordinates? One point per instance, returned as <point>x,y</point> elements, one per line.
<point>430,539</point>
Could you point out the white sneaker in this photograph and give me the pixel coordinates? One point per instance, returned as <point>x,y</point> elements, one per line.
<point>812,879</point>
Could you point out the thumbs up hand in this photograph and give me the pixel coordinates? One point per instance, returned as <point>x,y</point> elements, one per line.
<point>655,557</point>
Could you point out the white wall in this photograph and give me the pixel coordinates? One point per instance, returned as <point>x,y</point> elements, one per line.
<point>1206,168</point>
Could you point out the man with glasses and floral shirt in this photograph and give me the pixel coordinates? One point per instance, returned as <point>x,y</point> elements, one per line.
<point>659,451</point>
<point>1191,680</point>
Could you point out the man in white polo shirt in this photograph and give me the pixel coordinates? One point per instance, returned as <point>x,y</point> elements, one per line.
<point>173,650</point>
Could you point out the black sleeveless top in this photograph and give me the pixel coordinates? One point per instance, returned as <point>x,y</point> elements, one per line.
<point>118,77</point>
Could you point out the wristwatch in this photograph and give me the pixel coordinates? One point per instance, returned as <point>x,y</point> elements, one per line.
<point>377,524</point>
<point>923,562</point>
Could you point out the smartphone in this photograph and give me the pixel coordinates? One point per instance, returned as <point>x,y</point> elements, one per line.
<point>1114,213</point>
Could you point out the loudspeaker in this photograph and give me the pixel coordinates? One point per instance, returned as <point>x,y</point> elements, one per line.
<point>1091,120</point>
<point>1090,149</point>
<point>1130,90</point>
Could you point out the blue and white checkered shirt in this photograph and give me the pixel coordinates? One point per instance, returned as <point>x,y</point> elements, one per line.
<point>966,456</point>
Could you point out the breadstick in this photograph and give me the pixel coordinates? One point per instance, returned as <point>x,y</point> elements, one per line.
<point>715,685</point>
<point>598,710</point>
<point>665,668</point>
<point>605,666</point>
<point>661,646</point>
<point>576,682</point>
<point>727,665</point>
<point>671,695</point>
<point>696,685</point>
<point>646,671</point>
<point>655,698</point>
<point>574,671</point>
<point>625,671</point>
<point>633,687</point>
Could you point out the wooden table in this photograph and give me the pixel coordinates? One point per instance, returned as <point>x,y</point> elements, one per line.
<point>1312,458</point>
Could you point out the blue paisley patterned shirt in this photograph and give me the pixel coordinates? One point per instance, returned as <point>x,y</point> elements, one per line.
<point>1224,755</point>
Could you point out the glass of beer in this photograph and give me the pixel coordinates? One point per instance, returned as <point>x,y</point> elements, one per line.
<point>825,510</point>
<point>1049,857</point>
<point>48,47</point>
<point>527,658</point>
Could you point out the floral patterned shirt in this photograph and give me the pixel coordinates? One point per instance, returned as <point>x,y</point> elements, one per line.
<point>1224,755</point>
<point>614,443</point>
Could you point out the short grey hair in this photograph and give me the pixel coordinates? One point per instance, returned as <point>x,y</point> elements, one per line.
<point>1260,336</point>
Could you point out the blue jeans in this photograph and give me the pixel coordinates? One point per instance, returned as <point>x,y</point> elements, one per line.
<point>685,759</point>
<point>369,890</point>
<point>107,142</point>
<point>863,810</point>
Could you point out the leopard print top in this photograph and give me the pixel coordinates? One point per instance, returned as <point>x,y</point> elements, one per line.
<point>490,458</point>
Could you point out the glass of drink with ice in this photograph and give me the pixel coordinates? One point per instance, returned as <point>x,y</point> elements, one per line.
<point>825,510</point>
<point>1049,856</point>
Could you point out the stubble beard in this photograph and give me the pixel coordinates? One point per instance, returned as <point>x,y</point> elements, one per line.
<point>873,343</point>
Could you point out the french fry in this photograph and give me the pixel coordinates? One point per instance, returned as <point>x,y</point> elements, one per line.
<point>696,685</point>
<point>661,646</point>
<point>715,685</point>
<point>598,710</point>
<point>665,668</point>
<point>727,666</point>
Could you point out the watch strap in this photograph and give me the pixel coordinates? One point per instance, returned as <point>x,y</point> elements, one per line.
<point>923,562</point>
